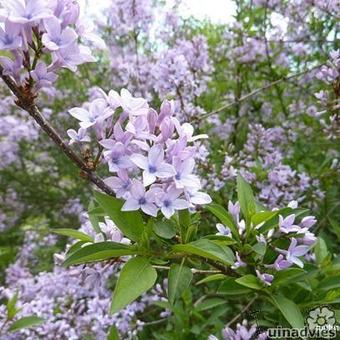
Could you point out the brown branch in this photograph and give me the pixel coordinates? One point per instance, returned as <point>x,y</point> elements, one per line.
<point>26,102</point>
<point>242,311</point>
<point>253,93</point>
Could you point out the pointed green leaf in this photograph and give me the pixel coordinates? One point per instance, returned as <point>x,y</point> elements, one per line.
<point>164,229</point>
<point>210,278</point>
<point>78,235</point>
<point>249,281</point>
<point>25,322</point>
<point>136,277</point>
<point>289,310</point>
<point>179,279</point>
<point>210,303</point>
<point>246,198</point>
<point>207,249</point>
<point>225,217</point>
<point>230,287</point>
<point>98,252</point>
<point>129,222</point>
<point>113,334</point>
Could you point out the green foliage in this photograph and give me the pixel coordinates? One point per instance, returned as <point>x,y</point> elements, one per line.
<point>136,277</point>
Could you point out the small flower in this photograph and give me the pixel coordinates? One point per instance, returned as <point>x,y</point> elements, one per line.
<point>267,279</point>
<point>169,202</point>
<point>234,209</point>
<point>121,184</point>
<point>98,111</point>
<point>140,199</point>
<point>78,137</point>
<point>153,165</point>
<point>286,224</point>
<point>55,38</point>
<point>280,263</point>
<point>238,263</point>
<point>294,251</point>
<point>223,230</point>
<point>308,221</point>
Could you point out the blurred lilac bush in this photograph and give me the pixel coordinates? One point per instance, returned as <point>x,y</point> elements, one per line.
<point>174,119</point>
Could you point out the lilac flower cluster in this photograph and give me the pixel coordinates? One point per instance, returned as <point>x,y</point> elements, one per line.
<point>183,72</point>
<point>299,237</point>
<point>262,162</point>
<point>242,332</point>
<point>74,302</point>
<point>170,62</point>
<point>150,153</point>
<point>34,28</point>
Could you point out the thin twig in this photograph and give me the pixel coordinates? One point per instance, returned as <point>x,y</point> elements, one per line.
<point>193,270</point>
<point>246,307</point>
<point>253,93</point>
<point>26,102</point>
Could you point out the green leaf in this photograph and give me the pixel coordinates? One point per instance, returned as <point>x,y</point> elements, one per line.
<point>76,246</point>
<point>98,252</point>
<point>249,281</point>
<point>136,277</point>
<point>246,198</point>
<point>73,233</point>
<point>113,334</point>
<point>225,217</point>
<point>179,279</point>
<point>164,229</point>
<point>209,303</point>
<point>260,248</point>
<point>11,306</point>
<point>25,322</point>
<point>289,310</point>
<point>210,278</point>
<point>262,216</point>
<point>129,222</point>
<point>288,275</point>
<point>93,213</point>
<point>329,283</point>
<point>207,249</point>
<point>231,287</point>
<point>321,251</point>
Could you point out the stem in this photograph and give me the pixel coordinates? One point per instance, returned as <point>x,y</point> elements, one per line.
<point>253,93</point>
<point>26,102</point>
<point>193,270</point>
<point>246,307</point>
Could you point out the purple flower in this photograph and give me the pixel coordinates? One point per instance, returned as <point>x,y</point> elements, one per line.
<point>71,56</point>
<point>153,165</point>
<point>42,77</point>
<point>55,38</point>
<point>121,184</point>
<point>184,177</point>
<point>280,263</point>
<point>238,263</point>
<point>169,202</point>
<point>10,38</point>
<point>111,231</point>
<point>234,209</point>
<point>223,230</point>
<point>97,111</point>
<point>308,221</point>
<point>294,251</point>
<point>116,155</point>
<point>132,106</point>
<point>267,279</point>
<point>28,11</point>
<point>286,224</point>
<point>140,199</point>
<point>242,332</point>
<point>198,197</point>
<point>78,137</point>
